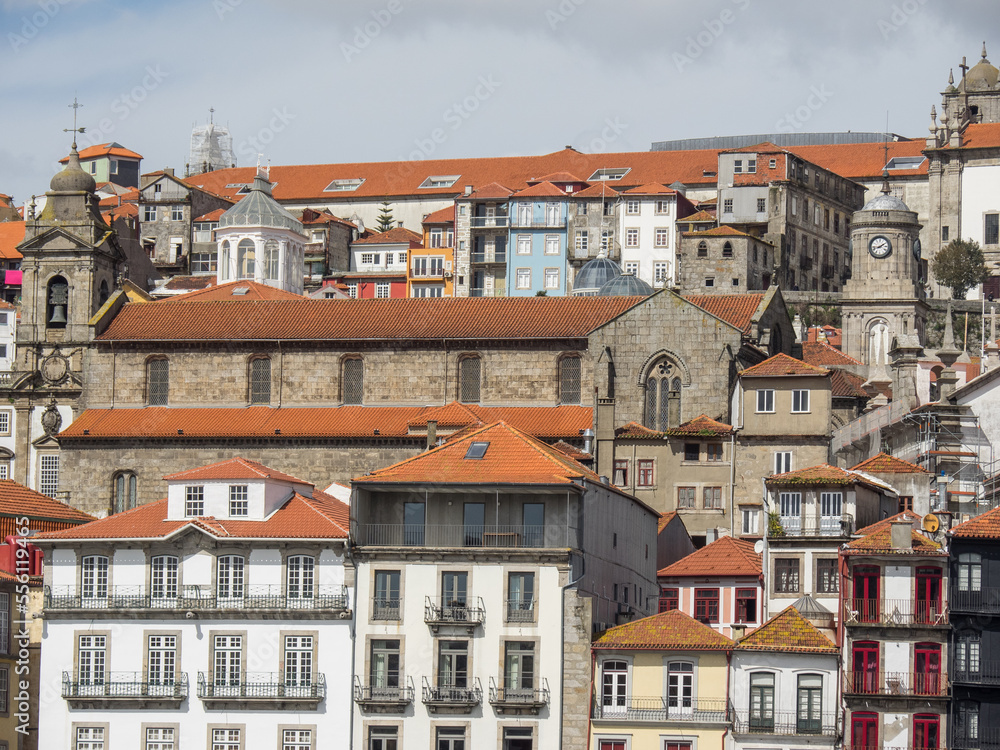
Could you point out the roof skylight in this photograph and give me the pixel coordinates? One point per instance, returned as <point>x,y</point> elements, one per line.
<point>477,450</point>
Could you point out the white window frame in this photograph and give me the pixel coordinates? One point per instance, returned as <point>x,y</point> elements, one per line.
<point>48,474</point>
<point>661,237</point>
<point>631,266</point>
<point>552,244</point>
<point>782,462</point>
<point>382,290</point>
<point>800,401</point>
<point>765,400</point>
<point>662,207</point>
<point>194,501</point>
<point>582,241</point>
<point>5,422</point>
<point>632,206</point>
<point>632,237</point>
<point>239,500</point>
<point>522,278</point>
<point>551,278</point>
<point>524,244</point>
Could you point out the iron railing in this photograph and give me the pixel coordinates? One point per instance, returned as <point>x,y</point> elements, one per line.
<point>838,526</point>
<point>479,222</point>
<point>458,535</point>
<point>501,695</point>
<point>519,222</point>
<point>981,738</point>
<point>196,598</point>
<point>468,695</point>
<point>399,694</point>
<point>264,686</point>
<point>497,256</point>
<point>895,612</point>
<point>787,723</point>
<point>520,610</point>
<point>123,685</point>
<point>660,708</point>
<point>983,673</point>
<point>446,610</point>
<point>386,609</point>
<point>924,684</point>
<point>986,600</point>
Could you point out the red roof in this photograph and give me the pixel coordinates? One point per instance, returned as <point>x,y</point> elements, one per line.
<point>653,188</point>
<point>665,519</point>
<point>636,430</point>
<point>736,309</point>
<point>725,556</point>
<point>511,457</point>
<point>18,500</point>
<point>493,190</point>
<point>11,235</point>
<point>787,631</point>
<point>321,516</point>
<point>781,365</point>
<point>821,474</point>
<point>234,468</point>
<point>844,384</point>
<point>104,149</point>
<point>244,289</point>
<point>541,190</point>
<point>600,190</point>
<point>724,231</point>
<point>668,631</point>
<point>883,463</point>
<point>394,236</point>
<point>981,135</point>
<point>821,353</point>
<point>877,538</point>
<point>861,161</point>
<point>556,177</point>
<point>701,426</point>
<point>985,526</point>
<point>548,422</point>
<point>700,216</point>
<point>212,215</point>
<point>357,320</point>
<point>445,216</point>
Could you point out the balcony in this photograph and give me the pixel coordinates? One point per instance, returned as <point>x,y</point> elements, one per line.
<point>897,684</point>
<point>104,689</point>
<point>506,700</point>
<point>524,222</point>
<point>983,673</point>
<point>138,600</point>
<point>262,688</point>
<point>459,535</point>
<point>386,609</point>
<point>895,613</point>
<point>452,698</point>
<point>984,601</point>
<point>467,613</point>
<point>787,724</point>
<point>662,709</point>
<point>486,222</point>
<point>383,699</point>
<point>520,610</point>
<point>496,256</point>
<point>984,738</point>
<point>824,526</point>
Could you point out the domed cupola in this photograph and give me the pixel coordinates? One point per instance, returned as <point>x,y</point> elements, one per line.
<point>594,274</point>
<point>626,285</point>
<point>72,178</point>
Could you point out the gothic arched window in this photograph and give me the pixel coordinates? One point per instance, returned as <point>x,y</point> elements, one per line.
<point>569,380</point>
<point>57,303</point>
<point>663,396</point>
<point>103,294</point>
<point>246,259</point>
<point>260,380</point>
<point>124,491</point>
<point>353,380</point>
<point>727,250</point>
<point>470,371</point>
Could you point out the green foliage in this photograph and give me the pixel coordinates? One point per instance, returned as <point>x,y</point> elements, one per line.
<point>960,265</point>
<point>774,527</point>
<point>385,222</point>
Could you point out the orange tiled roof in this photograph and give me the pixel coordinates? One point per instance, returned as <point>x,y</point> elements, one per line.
<point>444,216</point>
<point>636,430</point>
<point>736,309</point>
<point>16,499</point>
<point>125,210</point>
<point>883,463</point>
<point>845,384</point>
<point>781,365</point>
<point>787,631</point>
<point>877,538</point>
<point>189,282</point>
<point>105,149</point>
<point>820,353</point>
<point>572,451</point>
<point>394,236</point>
<point>541,190</point>
<point>724,231</point>
<point>701,426</point>
<point>556,177</point>
<point>492,190</point>
<point>981,135</point>
<point>320,517</point>
<point>228,291</point>
<point>861,161</point>
<point>985,526</point>
<point>600,190</point>
<point>819,474</point>
<point>699,216</point>
<point>235,468</point>
<point>11,235</point>
<point>513,457</point>
<point>652,188</point>
<point>668,631</point>
<point>909,515</point>
<point>725,556</point>
<point>353,320</point>
<point>548,422</point>
<point>211,215</point>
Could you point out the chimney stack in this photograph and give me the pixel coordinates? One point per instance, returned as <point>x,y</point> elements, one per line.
<point>902,534</point>
<point>432,433</point>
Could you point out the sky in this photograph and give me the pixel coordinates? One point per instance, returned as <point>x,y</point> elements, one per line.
<point>321,81</point>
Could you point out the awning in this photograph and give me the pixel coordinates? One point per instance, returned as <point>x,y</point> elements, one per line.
<point>12,277</point>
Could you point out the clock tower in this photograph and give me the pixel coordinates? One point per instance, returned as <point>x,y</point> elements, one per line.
<point>884,298</point>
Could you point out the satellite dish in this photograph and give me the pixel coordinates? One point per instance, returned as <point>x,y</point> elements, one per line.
<point>931,523</point>
<point>758,547</point>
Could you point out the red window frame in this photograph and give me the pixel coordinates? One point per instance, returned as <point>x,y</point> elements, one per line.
<point>743,597</point>
<point>926,731</point>
<point>864,731</point>
<point>706,605</point>
<point>866,592</point>
<point>928,594</point>
<point>865,666</point>
<point>644,472</point>
<point>669,599</point>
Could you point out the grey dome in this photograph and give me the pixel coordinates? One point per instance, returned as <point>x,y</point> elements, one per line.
<point>259,209</point>
<point>885,202</point>
<point>626,285</point>
<point>594,274</point>
<point>72,178</point>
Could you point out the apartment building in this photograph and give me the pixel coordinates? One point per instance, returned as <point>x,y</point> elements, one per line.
<point>432,265</point>
<point>648,232</point>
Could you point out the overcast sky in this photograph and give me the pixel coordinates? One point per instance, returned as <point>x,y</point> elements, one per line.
<point>317,81</point>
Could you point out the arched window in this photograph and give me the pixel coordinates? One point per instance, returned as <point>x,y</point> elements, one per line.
<point>57,303</point>
<point>614,687</point>
<point>157,381</point>
<point>469,380</point>
<point>727,250</point>
<point>103,294</point>
<point>124,491</point>
<point>226,258</point>
<point>246,259</point>
<point>272,256</point>
<point>353,381</point>
<point>762,700</point>
<point>703,249</point>
<point>569,380</point>
<point>663,396</point>
<point>260,380</point>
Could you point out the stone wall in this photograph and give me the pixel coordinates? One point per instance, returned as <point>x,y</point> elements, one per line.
<point>576,670</point>
<point>755,460</point>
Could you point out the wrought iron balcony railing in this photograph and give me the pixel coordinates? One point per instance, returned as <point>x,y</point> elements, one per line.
<point>895,612</point>
<point>274,686</point>
<point>835,526</point>
<point>502,696</point>
<point>520,610</point>
<point>397,695</point>
<point>459,696</point>
<point>480,222</point>
<point>184,598</point>
<point>519,222</point>
<point>985,600</point>
<point>982,673</point>
<point>447,611</point>
<point>125,685</point>
<point>975,738</point>
<point>660,708</point>
<point>787,723</point>
<point>905,684</point>
<point>497,256</point>
<point>459,535</point>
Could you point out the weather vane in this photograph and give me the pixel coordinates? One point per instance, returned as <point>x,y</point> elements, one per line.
<point>74,130</point>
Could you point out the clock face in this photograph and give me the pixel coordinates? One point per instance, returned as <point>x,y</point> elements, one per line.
<point>879,246</point>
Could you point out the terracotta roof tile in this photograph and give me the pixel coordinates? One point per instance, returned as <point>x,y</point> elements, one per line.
<point>725,556</point>
<point>105,149</point>
<point>699,216</point>
<point>600,190</point>
<point>394,236</point>
<point>234,468</point>
<point>444,216</point>
<point>636,430</point>
<point>861,161</point>
<point>787,631</point>
<point>821,353</point>
<point>985,526</point>
<point>883,463</point>
<point>541,190</point>
<point>781,365</point>
<point>357,320</point>
<point>846,385</point>
<point>11,235</point>
<point>211,215</point>
<point>652,188</point>
<point>557,177</point>
<point>16,499</point>
<point>736,309</point>
<point>493,190</point>
<point>512,457</point>
<point>981,135</point>
<point>821,474</point>
<point>572,451</point>
<point>701,426</point>
<point>253,290</point>
<point>668,631</point>
<point>724,231</point>
<point>909,515</point>
<point>879,540</point>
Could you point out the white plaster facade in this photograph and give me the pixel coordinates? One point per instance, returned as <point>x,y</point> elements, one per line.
<point>278,256</point>
<point>648,237</point>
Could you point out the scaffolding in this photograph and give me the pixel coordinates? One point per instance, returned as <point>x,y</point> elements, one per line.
<point>211,148</point>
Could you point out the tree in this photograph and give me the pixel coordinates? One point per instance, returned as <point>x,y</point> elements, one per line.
<point>385,222</point>
<point>960,265</point>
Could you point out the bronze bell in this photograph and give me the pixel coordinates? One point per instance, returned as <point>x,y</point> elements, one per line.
<point>58,314</point>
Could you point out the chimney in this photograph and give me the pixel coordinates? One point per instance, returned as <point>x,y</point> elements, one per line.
<point>468,189</point>
<point>902,537</point>
<point>432,433</point>
<point>169,171</point>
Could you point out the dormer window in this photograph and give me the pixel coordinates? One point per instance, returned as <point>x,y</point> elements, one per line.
<point>343,186</point>
<point>194,501</point>
<point>609,174</point>
<point>477,450</point>
<point>440,181</point>
<point>239,503</point>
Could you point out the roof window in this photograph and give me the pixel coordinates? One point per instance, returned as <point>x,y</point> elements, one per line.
<point>609,174</point>
<point>440,181</point>
<point>477,450</point>
<point>905,162</point>
<point>344,186</point>
<point>240,291</point>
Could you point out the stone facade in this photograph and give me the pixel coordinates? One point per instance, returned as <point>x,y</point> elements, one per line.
<point>724,261</point>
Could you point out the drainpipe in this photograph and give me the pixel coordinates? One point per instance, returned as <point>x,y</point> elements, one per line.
<point>763,560</point>
<point>732,483</point>
<point>353,632</point>
<point>562,642</point>
<point>729,677</point>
